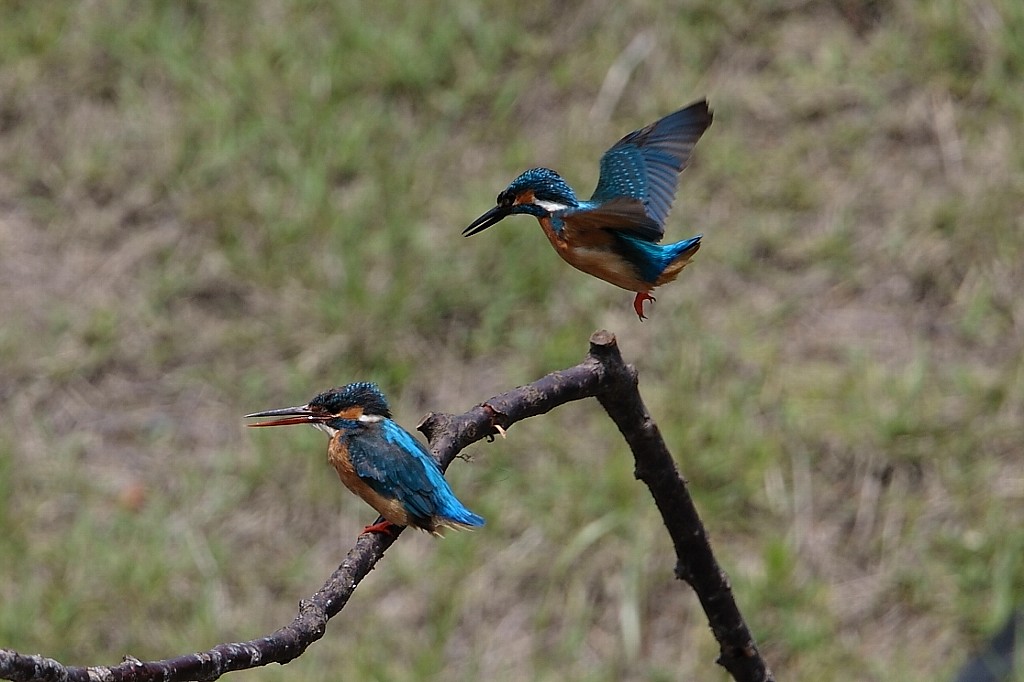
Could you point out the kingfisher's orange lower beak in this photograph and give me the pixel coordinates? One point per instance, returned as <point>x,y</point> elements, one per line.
<point>289,415</point>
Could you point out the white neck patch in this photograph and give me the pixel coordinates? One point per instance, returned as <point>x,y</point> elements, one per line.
<point>370,418</point>
<point>549,206</point>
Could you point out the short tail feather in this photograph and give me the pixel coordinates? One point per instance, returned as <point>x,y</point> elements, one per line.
<point>676,257</point>
<point>468,522</point>
<point>463,520</point>
<point>686,248</point>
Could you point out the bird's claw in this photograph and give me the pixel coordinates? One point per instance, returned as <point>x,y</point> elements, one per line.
<point>638,304</point>
<point>383,527</point>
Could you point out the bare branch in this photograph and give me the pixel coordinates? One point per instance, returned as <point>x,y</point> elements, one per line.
<point>696,563</point>
<point>603,375</point>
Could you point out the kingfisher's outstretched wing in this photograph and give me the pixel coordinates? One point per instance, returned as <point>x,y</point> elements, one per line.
<point>645,165</point>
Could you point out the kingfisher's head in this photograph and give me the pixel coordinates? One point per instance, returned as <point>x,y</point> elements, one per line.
<point>342,408</point>
<point>538,192</point>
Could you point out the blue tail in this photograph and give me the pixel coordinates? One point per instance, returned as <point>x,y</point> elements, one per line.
<point>448,509</point>
<point>463,516</point>
<point>653,259</point>
<point>670,252</point>
<point>446,506</point>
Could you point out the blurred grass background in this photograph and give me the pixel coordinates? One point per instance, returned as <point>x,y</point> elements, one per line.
<point>213,208</point>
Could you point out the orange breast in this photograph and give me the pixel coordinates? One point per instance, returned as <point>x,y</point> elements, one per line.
<point>594,256</point>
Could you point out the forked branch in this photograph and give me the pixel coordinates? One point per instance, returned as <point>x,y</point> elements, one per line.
<point>602,375</point>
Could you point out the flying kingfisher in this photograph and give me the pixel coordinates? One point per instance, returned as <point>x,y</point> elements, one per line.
<point>378,460</point>
<point>615,234</point>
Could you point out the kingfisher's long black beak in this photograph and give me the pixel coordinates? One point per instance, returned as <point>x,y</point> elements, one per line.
<point>289,415</point>
<point>487,219</point>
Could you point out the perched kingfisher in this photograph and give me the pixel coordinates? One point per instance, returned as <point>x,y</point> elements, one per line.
<point>615,234</point>
<point>378,460</point>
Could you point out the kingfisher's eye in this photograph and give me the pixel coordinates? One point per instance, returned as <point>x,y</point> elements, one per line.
<point>505,199</point>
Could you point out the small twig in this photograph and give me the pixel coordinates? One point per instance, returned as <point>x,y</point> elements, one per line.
<point>603,375</point>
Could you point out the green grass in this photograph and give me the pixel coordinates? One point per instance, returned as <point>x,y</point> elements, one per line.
<point>208,209</point>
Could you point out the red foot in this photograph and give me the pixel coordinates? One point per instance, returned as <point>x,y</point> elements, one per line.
<point>383,527</point>
<point>638,304</point>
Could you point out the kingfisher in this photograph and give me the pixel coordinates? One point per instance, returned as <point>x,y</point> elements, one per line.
<point>614,235</point>
<point>378,460</point>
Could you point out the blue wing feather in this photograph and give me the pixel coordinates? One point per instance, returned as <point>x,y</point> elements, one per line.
<point>645,164</point>
<point>399,467</point>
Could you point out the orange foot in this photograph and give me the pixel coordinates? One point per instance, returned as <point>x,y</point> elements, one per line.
<point>383,527</point>
<point>638,304</point>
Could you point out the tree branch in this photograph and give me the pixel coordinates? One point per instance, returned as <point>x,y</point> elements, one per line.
<point>602,375</point>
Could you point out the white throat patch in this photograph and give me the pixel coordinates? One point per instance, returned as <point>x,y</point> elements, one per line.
<point>370,418</point>
<point>329,430</point>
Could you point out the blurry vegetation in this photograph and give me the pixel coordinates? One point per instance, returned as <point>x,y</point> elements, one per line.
<point>212,208</point>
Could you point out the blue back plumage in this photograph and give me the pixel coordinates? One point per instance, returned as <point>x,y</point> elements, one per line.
<point>645,164</point>
<point>398,466</point>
